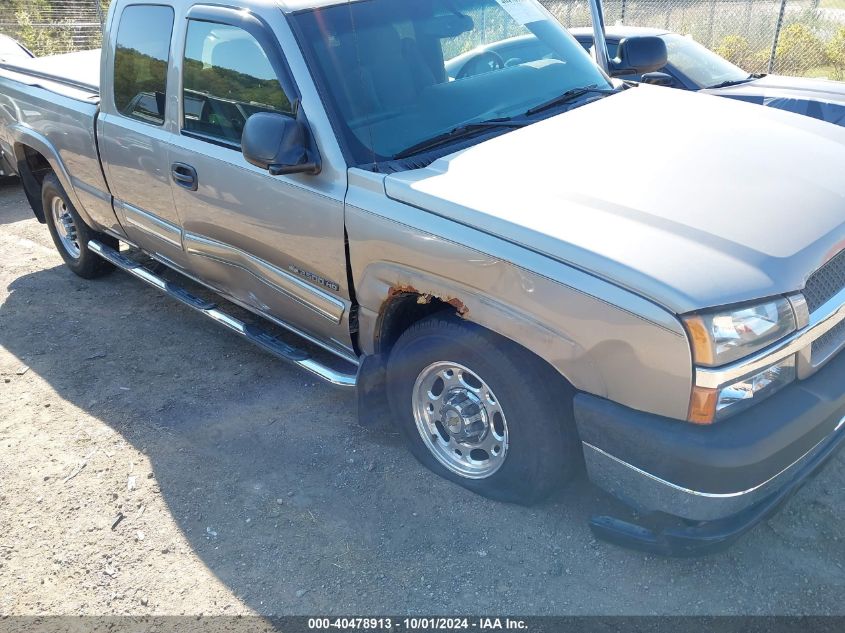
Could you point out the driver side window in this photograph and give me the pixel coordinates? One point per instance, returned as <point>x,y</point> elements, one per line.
<point>227,78</point>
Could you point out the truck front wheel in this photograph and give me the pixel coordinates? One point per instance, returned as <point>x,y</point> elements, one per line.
<point>479,411</point>
<point>70,233</point>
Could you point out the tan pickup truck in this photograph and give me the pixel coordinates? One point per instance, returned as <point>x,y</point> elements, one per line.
<point>665,316</point>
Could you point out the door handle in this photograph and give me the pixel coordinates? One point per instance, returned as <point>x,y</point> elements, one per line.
<point>184,176</point>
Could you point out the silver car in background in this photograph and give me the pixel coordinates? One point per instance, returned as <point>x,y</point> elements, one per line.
<point>692,66</point>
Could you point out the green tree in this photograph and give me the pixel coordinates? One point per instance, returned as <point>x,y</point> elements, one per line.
<point>836,54</point>
<point>737,50</point>
<point>799,50</point>
<point>31,17</point>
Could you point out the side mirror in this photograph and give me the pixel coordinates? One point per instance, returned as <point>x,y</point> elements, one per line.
<point>638,55</point>
<point>279,144</point>
<point>658,79</point>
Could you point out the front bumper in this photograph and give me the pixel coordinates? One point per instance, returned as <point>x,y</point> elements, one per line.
<point>726,477</point>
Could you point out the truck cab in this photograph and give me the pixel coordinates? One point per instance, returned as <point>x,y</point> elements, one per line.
<point>186,77</point>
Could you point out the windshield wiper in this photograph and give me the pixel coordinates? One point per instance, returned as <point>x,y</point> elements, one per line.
<point>462,131</point>
<point>732,82</point>
<point>570,95</point>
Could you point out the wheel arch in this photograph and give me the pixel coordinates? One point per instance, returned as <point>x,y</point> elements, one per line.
<point>404,296</point>
<point>407,307</point>
<point>35,156</point>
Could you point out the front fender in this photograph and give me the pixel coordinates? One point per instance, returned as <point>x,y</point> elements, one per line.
<point>604,339</point>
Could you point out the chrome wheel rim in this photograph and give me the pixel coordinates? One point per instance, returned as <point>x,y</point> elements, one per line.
<point>460,420</point>
<point>65,227</point>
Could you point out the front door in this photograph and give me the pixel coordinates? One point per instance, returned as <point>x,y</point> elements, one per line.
<point>272,243</point>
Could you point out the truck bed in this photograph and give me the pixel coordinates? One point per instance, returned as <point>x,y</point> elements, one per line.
<point>79,71</point>
<point>51,105</point>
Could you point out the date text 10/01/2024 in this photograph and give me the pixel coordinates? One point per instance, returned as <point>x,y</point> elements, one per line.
<point>417,624</point>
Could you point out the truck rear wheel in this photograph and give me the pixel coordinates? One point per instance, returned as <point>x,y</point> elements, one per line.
<point>478,412</point>
<point>70,233</point>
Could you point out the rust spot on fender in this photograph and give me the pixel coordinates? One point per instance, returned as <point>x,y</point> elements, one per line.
<point>459,306</point>
<point>401,290</point>
<point>426,297</point>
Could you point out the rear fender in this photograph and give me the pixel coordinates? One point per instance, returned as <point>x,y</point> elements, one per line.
<point>23,137</point>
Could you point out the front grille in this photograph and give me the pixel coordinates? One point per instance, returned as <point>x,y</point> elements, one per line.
<point>825,282</point>
<point>821,287</point>
<point>828,342</point>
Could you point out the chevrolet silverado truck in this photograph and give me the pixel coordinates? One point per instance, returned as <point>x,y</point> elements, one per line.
<point>523,302</point>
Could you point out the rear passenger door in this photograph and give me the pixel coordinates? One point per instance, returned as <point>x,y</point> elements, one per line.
<point>133,130</point>
<point>272,243</point>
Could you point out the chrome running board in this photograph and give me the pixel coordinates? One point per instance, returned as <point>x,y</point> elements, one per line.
<point>252,333</point>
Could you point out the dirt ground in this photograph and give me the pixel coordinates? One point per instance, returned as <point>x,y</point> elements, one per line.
<point>152,463</point>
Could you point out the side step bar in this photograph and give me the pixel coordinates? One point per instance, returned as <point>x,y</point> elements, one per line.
<point>252,333</point>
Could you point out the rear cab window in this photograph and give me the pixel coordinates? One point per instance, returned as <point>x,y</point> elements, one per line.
<point>227,77</point>
<point>141,58</point>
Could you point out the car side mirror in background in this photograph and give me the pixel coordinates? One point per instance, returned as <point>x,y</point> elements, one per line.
<point>658,79</point>
<point>278,143</point>
<point>638,55</point>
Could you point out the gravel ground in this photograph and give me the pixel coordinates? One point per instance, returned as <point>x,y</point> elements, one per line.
<point>245,487</point>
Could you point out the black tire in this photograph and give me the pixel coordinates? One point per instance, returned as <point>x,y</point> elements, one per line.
<point>543,448</point>
<point>82,262</point>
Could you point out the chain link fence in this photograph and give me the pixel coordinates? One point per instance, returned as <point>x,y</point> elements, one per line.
<point>794,37</point>
<point>791,37</point>
<point>49,27</point>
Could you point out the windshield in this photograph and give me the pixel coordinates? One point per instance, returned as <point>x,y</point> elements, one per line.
<point>700,64</point>
<point>395,73</point>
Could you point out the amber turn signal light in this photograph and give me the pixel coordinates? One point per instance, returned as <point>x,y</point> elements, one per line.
<point>702,406</point>
<point>702,348</point>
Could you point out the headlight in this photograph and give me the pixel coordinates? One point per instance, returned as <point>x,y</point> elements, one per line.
<point>720,337</point>
<point>724,336</point>
<point>710,405</point>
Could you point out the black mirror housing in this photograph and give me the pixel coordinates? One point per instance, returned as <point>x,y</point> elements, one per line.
<point>278,143</point>
<point>639,55</point>
<point>658,79</point>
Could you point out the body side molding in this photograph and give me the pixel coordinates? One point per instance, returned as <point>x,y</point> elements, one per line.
<point>293,286</point>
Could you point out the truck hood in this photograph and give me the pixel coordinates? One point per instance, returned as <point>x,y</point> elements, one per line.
<point>689,200</point>
<point>818,98</point>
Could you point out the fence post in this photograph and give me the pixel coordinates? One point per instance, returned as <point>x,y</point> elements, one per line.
<point>710,23</point>
<point>100,18</point>
<point>778,28</point>
<point>622,17</point>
